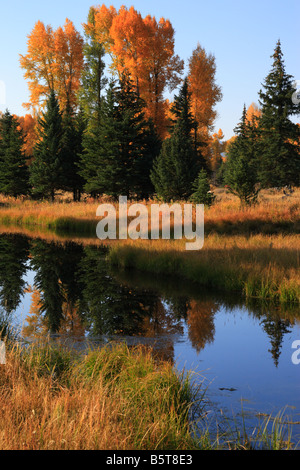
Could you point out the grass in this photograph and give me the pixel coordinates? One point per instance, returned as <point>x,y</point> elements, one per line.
<point>263,267</point>
<point>114,398</point>
<point>275,213</point>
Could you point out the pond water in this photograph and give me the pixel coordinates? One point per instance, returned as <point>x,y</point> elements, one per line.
<point>240,353</point>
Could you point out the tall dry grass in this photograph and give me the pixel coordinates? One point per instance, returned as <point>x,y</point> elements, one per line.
<point>114,398</point>
<point>273,213</point>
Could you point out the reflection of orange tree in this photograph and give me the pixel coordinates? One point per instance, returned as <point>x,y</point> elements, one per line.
<point>200,319</point>
<point>162,322</point>
<point>37,323</point>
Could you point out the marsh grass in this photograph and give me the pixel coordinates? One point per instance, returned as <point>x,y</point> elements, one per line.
<point>262,267</point>
<point>114,398</point>
<point>275,213</point>
<point>270,433</point>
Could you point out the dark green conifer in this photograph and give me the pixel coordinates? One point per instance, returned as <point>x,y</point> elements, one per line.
<point>73,129</point>
<point>202,193</point>
<point>13,168</point>
<point>119,149</point>
<point>45,171</point>
<point>279,137</point>
<point>178,163</point>
<point>241,176</point>
<point>93,81</point>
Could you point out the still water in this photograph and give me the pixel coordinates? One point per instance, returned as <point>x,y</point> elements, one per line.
<point>240,353</point>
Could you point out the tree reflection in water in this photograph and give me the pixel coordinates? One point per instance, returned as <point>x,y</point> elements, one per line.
<point>76,294</point>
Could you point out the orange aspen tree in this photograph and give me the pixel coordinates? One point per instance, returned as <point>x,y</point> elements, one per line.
<point>205,92</point>
<point>68,64</point>
<point>38,64</point>
<point>53,62</point>
<point>162,70</point>
<point>130,47</point>
<point>100,29</point>
<point>253,114</point>
<point>217,150</point>
<point>144,48</point>
<point>28,125</point>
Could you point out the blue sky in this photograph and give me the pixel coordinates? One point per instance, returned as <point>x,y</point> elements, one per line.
<point>241,35</point>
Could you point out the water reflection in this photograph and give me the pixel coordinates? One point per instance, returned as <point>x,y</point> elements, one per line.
<point>74,293</point>
<point>14,253</point>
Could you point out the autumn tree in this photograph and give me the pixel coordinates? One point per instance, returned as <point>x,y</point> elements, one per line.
<point>163,70</point>
<point>143,48</point>
<point>217,149</point>
<point>100,27</point>
<point>28,125</point>
<point>253,114</point>
<point>129,44</point>
<point>68,65</point>
<point>205,93</point>
<point>53,62</point>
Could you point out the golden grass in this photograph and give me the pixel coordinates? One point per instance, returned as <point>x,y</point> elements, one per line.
<point>272,208</point>
<point>260,266</point>
<point>113,399</point>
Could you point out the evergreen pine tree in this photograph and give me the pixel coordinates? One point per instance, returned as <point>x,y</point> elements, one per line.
<point>241,165</point>
<point>143,186</point>
<point>178,163</point>
<point>73,129</point>
<point>119,149</point>
<point>279,136</point>
<point>93,80</point>
<point>45,171</point>
<point>201,187</point>
<point>13,168</point>
<point>139,143</point>
<point>99,160</point>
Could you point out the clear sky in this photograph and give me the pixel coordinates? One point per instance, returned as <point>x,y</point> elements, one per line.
<point>241,34</point>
